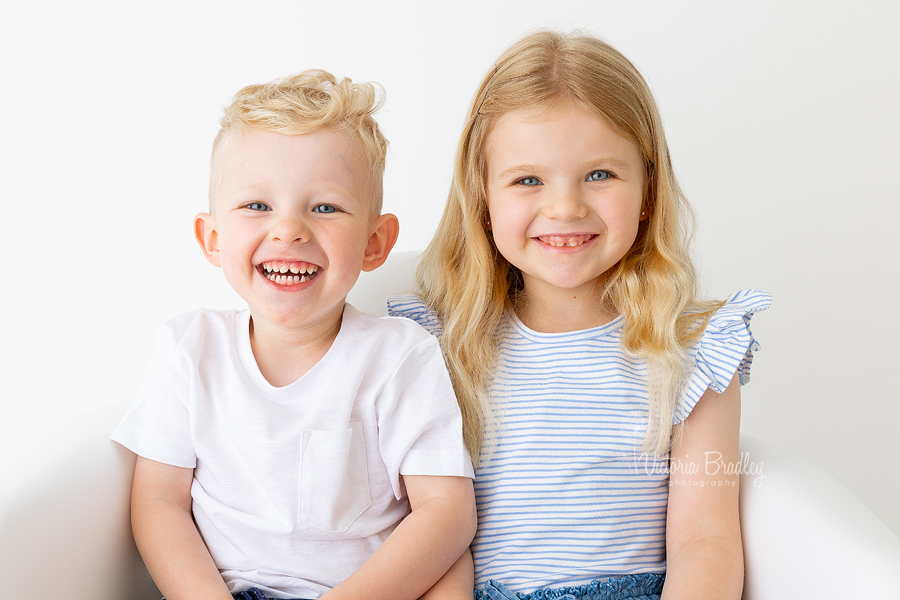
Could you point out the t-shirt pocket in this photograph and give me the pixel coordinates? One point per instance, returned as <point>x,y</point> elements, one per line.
<point>334,478</point>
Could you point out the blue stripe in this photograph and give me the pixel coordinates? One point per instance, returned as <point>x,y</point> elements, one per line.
<point>566,497</point>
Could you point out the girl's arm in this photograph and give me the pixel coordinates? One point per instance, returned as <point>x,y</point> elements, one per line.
<point>166,536</point>
<point>703,531</point>
<point>422,547</point>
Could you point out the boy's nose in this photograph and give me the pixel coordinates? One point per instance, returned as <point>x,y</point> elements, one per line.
<point>289,229</point>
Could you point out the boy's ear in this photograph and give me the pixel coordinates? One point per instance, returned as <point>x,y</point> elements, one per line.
<point>382,239</point>
<point>207,237</point>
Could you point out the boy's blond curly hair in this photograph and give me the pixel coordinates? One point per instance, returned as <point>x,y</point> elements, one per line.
<point>304,103</point>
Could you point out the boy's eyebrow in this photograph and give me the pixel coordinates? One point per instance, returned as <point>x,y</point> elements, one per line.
<point>517,169</point>
<point>246,188</point>
<point>240,194</point>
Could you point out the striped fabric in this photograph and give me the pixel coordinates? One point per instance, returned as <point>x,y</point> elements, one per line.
<point>566,497</point>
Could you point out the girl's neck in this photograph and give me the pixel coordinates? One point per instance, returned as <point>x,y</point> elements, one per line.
<point>563,311</point>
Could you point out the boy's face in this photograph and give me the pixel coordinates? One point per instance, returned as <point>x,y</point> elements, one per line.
<point>292,226</point>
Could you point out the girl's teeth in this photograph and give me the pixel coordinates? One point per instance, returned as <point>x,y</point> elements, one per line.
<point>563,242</point>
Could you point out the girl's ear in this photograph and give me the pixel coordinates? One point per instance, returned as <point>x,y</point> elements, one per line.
<point>207,237</point>
<point>381,240</point>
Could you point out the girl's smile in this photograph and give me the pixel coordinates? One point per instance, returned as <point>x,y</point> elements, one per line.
<point>566,240</point>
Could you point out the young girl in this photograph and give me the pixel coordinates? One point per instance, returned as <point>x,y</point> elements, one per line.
<point>600,393</point>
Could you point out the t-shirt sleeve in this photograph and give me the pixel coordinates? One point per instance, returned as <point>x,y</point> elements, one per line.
<point>413,307</point>
<point>726,348</point>
<point>419,423</point>
<point>157,425</point>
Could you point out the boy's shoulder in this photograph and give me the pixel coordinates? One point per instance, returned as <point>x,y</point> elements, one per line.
<point>384,326</point>
<point>200,327</point>
<point>204,318</point>
<point>395,330</point>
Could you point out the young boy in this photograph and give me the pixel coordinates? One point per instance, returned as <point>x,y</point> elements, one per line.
<point>280,448</point>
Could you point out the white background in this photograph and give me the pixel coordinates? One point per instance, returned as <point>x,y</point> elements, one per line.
<point>782,119</point>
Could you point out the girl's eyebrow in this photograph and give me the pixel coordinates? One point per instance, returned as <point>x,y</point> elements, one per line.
<point>610,162</point>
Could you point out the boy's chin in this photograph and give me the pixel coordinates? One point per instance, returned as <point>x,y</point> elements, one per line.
<point>298,318</point>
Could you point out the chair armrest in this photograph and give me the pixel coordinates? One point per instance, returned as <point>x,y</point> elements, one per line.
<point>64,514</point>
<point>806,536</point>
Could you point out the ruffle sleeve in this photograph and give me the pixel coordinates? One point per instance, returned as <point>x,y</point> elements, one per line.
<point>726,348</point>
<point>413,307</point>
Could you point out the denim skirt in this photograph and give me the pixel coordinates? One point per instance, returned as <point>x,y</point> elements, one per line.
<point>252,594</point>
<point>643,586</point>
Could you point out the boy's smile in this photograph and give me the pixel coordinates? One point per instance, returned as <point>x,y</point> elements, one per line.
<point>291,226</point>
<point>288,273</point>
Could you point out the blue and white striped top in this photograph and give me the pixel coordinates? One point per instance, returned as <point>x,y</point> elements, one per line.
<point>566,497</point>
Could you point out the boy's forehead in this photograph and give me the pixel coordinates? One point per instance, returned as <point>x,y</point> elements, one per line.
<point>257,159</point>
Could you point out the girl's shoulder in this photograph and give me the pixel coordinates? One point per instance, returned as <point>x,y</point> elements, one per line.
<point>413,307</point>
<point>742,304</point>
<point>726,348</point>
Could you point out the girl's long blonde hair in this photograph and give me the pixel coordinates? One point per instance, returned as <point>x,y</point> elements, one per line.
<point>470,285</point>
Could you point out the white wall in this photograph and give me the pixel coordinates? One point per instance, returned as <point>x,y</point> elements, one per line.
<point>782,118</point>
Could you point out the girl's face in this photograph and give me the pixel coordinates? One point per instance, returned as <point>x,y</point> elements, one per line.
<point>565,192</point>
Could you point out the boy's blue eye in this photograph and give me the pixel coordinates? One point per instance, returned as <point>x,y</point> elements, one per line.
<point>529,181</point>
<point>599,176</point>
<point>260,206</point>
<point>325,209</point>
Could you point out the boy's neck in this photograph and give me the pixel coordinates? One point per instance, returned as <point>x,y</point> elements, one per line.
<point>285,355</point>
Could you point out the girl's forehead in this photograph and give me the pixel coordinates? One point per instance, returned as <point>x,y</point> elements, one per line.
<point>536,115</point>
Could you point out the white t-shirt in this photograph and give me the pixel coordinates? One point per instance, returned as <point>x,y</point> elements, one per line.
<point>295,487</point>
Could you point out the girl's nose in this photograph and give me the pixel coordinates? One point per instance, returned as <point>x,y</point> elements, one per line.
<point>565,204</point>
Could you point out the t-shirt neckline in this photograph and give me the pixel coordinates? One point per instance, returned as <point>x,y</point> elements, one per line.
<point>572,336</point>
<point>309,383</point>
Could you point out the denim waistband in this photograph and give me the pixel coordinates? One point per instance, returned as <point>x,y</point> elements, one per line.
<point>643,586</point>
<point>251,594</point>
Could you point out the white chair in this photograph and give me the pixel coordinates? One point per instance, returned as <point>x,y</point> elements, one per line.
<point>64,526</point>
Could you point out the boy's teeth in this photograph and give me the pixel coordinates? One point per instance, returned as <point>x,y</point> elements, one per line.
<point>284,268</point>
<point>288,279</point>
<point>287,274</point>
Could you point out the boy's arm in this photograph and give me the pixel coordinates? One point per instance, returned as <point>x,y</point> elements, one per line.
<point>422,547</point>
<point>166,536</point>
<point>457,583</point>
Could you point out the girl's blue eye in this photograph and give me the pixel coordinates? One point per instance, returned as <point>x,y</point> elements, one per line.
<point>324,209</point>
<point>599,176</point>
<point>529,181</point>
<point>260,206</point>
